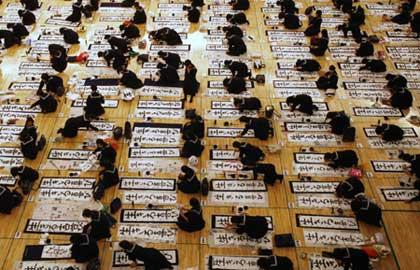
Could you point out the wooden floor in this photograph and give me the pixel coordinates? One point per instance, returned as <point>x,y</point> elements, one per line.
<point>283,205</point>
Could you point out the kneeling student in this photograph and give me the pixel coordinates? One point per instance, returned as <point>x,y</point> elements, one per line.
<point>191,220</point>
<point>390,133</point>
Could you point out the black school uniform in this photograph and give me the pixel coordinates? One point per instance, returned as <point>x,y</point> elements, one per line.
<point>291,21</point>
<point>345,159</point>
<point>116,57</point>
<point>320,48</point>
<point>10,39</point>
<point>193,15</point>
<point>131,32</point>
<point>118,43</point>
<point>392,133</point>
<point>28,131</point>
<point>128,3</point>
<point>107,155</point>
<point>328,81</point>
<point>109,177</point>
<point>191,85</point>
<point>172,59</point>
<point>236,46</point>
<point>140,16</point>
<point>27,174</point>
<point>192,147</point>
<point>374,66</point>
<point>397,82</point>
<point>355,259</point>
<point>20,30</point>
<point>402,18</point>
<point>236,85</point>
<point>366,49</point>
<point>169,36</point>
<point>28,18</point>
<point>261,127</point>
<point>29,148</point>
<point>402,99</point>
<point>47,103</point>
<point>250,154</point>
<point>280,263</point>
<point>72,125</point>
<point>415,23</point>
<point>238,18</point>
<point>8,200</point>
<point>240,5</point>
<point>349,188</point>
<point>94,105</point>
<point>193,128</point>
<point>239,69</point>
<point>189,182</point>
<point>251,104</point>
<point>168,75</point>
<point>30,4</point>
<point>86,250</point>
<point>54,84</point>
<point>76,14</point>
<point>151,257</point>
<point>368,211</point>
<point>268,171</point>
<point>194,222</point>
<point>339,121</point>
<point>98,228</point>
<point>130,80</point>
<point>255,227</point>
<point>70,36</point>
<point>314,27</point>
<point>308,65</point>
<point>233,30</point>
<point>303,103</point>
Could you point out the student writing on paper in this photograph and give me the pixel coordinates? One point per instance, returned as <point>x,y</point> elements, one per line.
<point>191,220</point>
<point>349,188</point>
<point>329,80</point>
<point>374,65</point>
<point>70,36</point>
<point>9,39</point>
<point>117,43</point>
<point>268,171</point>
<point>414,161</point>
<point>339,122</point>
<point>166,36</point>
<point>395,81</point>
<point>275,263</point>
<point>254,227</point>
<point>53,84</point>
<point>287,6</point>
<point>26,177</point>
<point>389,132</point>
<point>314,24</point>
<point>291,20</point>
<point>9,200</point>
<point>73,124</point>
<point>58,57</point>
<point>351,258</point>
<point>195,126</point>
<point>261,126</point>
<point>234,85</point>
<point>94,103</point>
<point>166,75</point>
<point>130,80</point>
<point>366,211</point>
<point>308,65</point>
<point>238,69</point>
<point>129,31</point>
<point>117,57</point>
<point>170,58</point>
<point>319,44</point>
<point>84,248</point>
<point>152,258</point>
<point>191,85</point>
<point>107,154</point>
<point>107,178</point>
<point>188,181</point>
<point>99,226</point>
<point>192,146</point>
<point>341,159</point>
<point>248,154</point>
<point>247,104</point>
<point>239,4</point>
<point>401,99</point>
<point>302,103</point>
<point>27,17</point>
<point>18,29</point>
<point>365,49</point>
<point>30,4</point>
<point>46,102</point>
<point>232,30</point>
<point>236,46</point>
<point>237,18</point>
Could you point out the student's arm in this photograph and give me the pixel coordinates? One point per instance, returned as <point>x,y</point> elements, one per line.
<point>35,104</point>
<point>247,127</point>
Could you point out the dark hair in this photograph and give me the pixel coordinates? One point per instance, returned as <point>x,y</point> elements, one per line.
<point>14,171</point>
<point>10,25</point>
<point>227,62</point>
<point>29,119</point>
<point>126,245</point>
<point>339,253</point>
<point>328,156</point>
<point>379,129</point>
<point>101,54</point>
<point>290,99</point>
<point>94,87</point>
<point>229,16</point>
<point>244,119</point>
<point>226,82</point>
<point>237,101</point>
<point>365,60</point>
<point>100,141</point>
<point>87,213</point>
<point>195,203</point>
<point>356,204</point>
<point>324,33</point>
<point>236,144</point>
<point>122,27</point>
<point>237,219</point>
<point>318,13</point>
<point>417,184</point>
<point>389,76</point>
<point>332,68</point>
